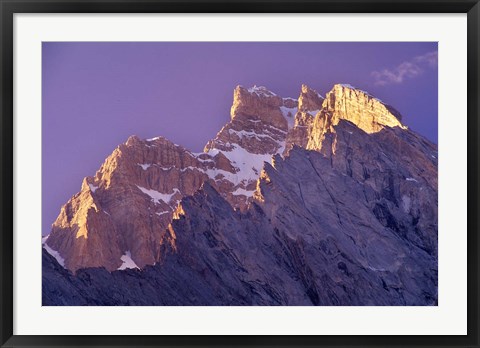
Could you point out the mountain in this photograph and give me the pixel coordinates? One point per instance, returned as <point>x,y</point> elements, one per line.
<point>315,201</point>
<point>125,208</point>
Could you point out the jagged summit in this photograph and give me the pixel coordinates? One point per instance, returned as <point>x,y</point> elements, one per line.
<point>310,100</point>
<point>124,211</point>
<point>350,229</point>
<point>376,109</point>
<point>261,91</point>
<point>346,103</point>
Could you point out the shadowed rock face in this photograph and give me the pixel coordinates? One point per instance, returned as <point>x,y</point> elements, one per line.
<point>347,217</point>
<point>283,250</point>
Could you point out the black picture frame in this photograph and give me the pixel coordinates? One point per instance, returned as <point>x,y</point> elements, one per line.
<point>10,7</point>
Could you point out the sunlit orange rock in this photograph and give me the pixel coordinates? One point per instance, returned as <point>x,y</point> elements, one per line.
<point>127,207</point>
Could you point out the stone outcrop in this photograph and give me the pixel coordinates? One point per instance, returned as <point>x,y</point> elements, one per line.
<point>309,100</point>
<point>128,204</point>
<point>260,122</point>
<point>314,235</point>
<point>126,207</point>
<point>345,102</point>
<point>309,104</point>
<point>257,123</point>
<point>295,202</point>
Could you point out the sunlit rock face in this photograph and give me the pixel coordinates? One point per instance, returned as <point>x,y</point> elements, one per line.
<point>260,122</point>
<point>314,235</point>
<point>128,204</point>
<point>257,123</point>
<point>368,113</point>
<point>345,102</point>
<point>306,201</point>
<point>309,100</point>
<point>309,104</point>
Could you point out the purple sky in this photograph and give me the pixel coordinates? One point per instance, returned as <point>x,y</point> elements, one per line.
<point>95,95</point>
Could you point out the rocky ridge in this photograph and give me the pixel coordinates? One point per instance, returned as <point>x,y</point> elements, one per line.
<point>282,250</point>
<point>344,171</point>
<point>127,205</point>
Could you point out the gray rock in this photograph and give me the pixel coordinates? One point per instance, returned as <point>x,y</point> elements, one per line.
<point>348,216</point>
<point>314,236</point>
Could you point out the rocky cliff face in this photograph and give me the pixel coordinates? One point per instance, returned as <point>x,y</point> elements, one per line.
<point>283,250</point>
<point>128,204</point>
<point>345,102</point>
<point>309,104</point>
<point>311,201</point>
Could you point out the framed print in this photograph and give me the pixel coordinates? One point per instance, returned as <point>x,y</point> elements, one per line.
<point>249,173</point>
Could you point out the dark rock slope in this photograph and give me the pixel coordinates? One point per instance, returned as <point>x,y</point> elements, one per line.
<point>315,201</point>
<point>353,226</point>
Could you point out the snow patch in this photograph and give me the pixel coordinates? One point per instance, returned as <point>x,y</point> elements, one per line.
<point>54,253</point>
<point>144,166</point>
<point>248,165</point>
<point>242,192</point>
<point>127,261</point>
<point>261,91</point>
<point>93,188</point>
<point>277,129</point>
<point>411,179</point>
<point>376,269</point>
<point>158,196</point>
<point>406,203</point>
<point>191,168</point>
<point>204,160</point>
<point>244,133</point>
<point>289,115</point>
